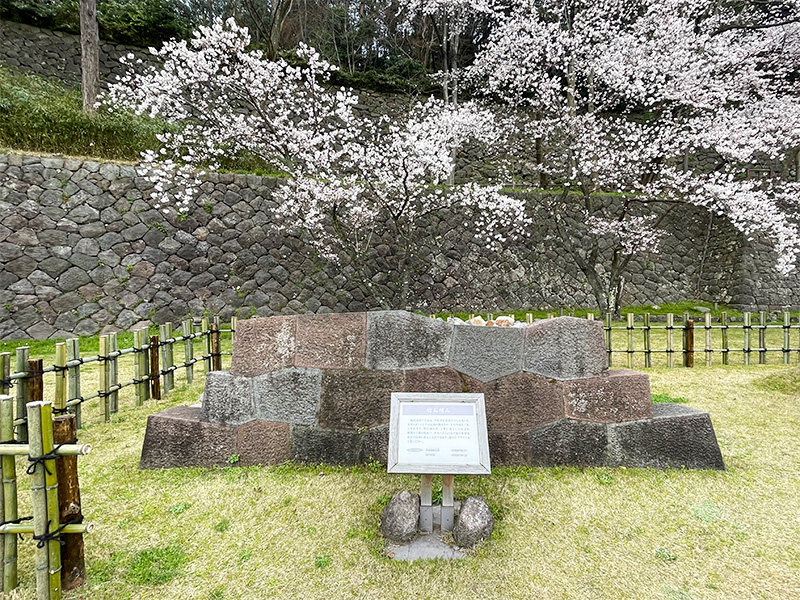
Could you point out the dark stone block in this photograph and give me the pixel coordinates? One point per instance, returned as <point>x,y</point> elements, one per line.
<point>522,401</point>
<point>623,395</point>
<point>486,353</point>
<point>375,445</point>
<point>566,348</point>
<point>439,380</point>
<point>509,448</point>
<point>228,398</point>
<point>290,395</point>
<point>676,437</point>
<point>353,399</point>
<point>178,438</point>
<point>316,445</point>
<point>264,345</point>
<point>332,341</point>
<point>263,443</point>
<point>400,340</point>
<point>568,442</point>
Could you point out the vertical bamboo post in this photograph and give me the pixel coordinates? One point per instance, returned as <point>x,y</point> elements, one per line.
<point>725,347</point>
<point>9,494</point>
<point>170,376</point>
<point>786,338</point>
<point>630,327</point>
<point>550,316</point>
<point>167,357</point>
<point>140,370</point>
<point>163,337</point>
<point>51,493</point>
<point>60,403</point>
<point>74,378</point>
<point>648,348</point>
<point>104,376</point>
<point>35,383</point>
<point>113,373</point>
<point>762,337</point>
<point>188,349</point>
<point>23,355</point>
<point>205,328</point>
<point>528,318</point>
<point>155,371</point>
<point>590,316</point>
<point>216,353</point>
<point>5,372</point>
<point>73,564</point>
<point>607,327</point>
<point>234,326</point>
<point>670,341</point>
<point>688,343</point>
<point>746,348</point>
<point>709,349</point>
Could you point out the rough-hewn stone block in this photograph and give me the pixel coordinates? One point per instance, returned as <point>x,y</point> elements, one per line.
<point>522,401</point>
<point>290,395</point>
<point>332,341</point>
<point>316,445</point>
<point>623,395</point>
<point>568,442</point>
<point>177,437</point>
<point>228,398</point>
<point>353,399</point>
<point>509,448</point>
<point>438,380</point>
<point>375,445</point>
<point>676,437</point>
<point>263,443</point>
<point>565,348</point>
<point>264,345</point>
<point>486,353</point>
<point>401,340</point>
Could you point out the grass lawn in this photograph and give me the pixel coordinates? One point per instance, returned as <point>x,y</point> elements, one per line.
<point>294,531</point>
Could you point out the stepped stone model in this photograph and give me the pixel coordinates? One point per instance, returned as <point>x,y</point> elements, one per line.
<point>317,388</point>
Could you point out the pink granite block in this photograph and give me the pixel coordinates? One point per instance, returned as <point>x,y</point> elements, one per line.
<point>331,341</point>
<point>519,402</point>
<point>264,345</point>
<point>623,395</point>
<point>263,443</point>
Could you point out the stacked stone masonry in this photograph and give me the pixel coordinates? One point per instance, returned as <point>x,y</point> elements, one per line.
<point>318,389</point>
<point>82,250</point>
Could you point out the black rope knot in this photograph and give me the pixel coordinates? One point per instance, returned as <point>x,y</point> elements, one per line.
<point>55,535</point>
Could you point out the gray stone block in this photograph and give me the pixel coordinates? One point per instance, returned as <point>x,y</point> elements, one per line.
<point>401,340</point>
<point>290,396</point>
<point>177,437</point>
<point>676,437</point>
<point>228,398</point>
<point>316,445</point>
<point>566,348</point>
<point>375,445</point>
<point>568,442</point>
<point>486,353</point>
<point>475,522</point>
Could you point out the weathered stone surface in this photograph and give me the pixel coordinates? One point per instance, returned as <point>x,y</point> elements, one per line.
<point>522,401</point>
<point>263,443</point>
<point>400,517</point>
<point>509,448</point>
<point>316,445</point>
<point>177,437</point>
<point>228,398</point>
<point>402,340</point>
<point>357,398</point>
<point>475,522</point>
<point>566,348</point>
<point>568,442</point>
<point>442,380</point>
<point>290,395</point>
<point>375,445</point>
<point>486,353</point>
<point>333,341</point>
<point>623,395</point>
<point>264,345</point>
<point>676,437</point>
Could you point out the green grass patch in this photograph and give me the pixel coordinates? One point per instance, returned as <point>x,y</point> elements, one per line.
<point>666,399</point>
<point>156,566</point>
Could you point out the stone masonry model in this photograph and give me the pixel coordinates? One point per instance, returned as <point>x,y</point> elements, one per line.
<point>317,388</point>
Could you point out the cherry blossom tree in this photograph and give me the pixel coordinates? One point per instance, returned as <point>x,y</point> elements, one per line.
<point>623,92</point>
<point>349,183</point>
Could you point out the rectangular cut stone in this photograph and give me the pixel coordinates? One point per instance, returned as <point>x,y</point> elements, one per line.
<point>509,448</point>
<point>177,437</point>
<point>522,401</point>
<point>317,445</point>
<point>263,443</point>
<point>264,345</point>
<point>228,398</point>
<point>623,395</point>
<point>566,348</point>
<point>353,399</point>
<point>486,353</point>
<point>375,445</point>
<point>332,341</point>
<point>437,380</point>
<point>290,396</point>
<point>397,339</point>
<point>568,443</point>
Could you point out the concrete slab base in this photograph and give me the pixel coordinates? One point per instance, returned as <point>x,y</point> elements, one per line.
<point>424,547</point>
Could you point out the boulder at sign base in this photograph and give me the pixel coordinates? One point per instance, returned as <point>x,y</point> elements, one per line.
<point>475,522</point>
<point>400,517</point>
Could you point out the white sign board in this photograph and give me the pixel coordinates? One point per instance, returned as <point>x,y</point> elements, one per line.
<point>438,434</point>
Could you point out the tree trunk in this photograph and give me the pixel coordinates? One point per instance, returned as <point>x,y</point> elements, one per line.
<point>90,55</point>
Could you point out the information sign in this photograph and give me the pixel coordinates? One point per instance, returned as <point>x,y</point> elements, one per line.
<point>438,434</point>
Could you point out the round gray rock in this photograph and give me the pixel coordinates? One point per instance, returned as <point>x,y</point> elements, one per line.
<point>475,522</point>
<point>400,517</point>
